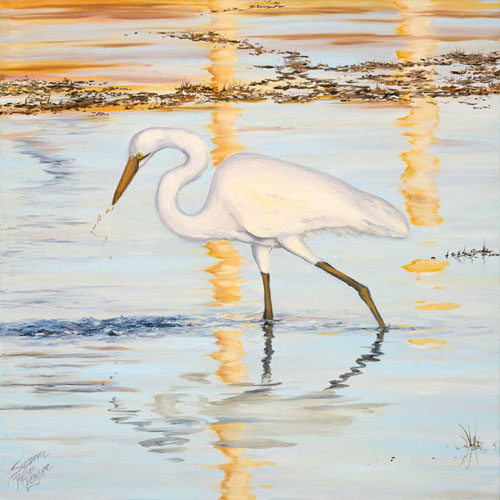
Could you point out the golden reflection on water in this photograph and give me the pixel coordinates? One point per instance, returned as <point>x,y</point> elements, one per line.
<point>419,190</point>
<point>419,266</point>
<point>226,272</point>
<point>427,343</point>
<point>223,59</point>
<point>421,196</point>
<point>223,123</point>
<point>436,306</point>
<point>230,356</point>
<point>236,483</point>
<point>225,279</point>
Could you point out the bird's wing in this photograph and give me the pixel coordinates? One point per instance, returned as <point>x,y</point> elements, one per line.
<point>271,198</point>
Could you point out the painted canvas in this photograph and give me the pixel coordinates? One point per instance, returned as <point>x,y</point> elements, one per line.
<point>249,249</point>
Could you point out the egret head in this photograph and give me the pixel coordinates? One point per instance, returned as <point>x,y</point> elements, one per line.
<point>147,142</point>
<point>141,147</point>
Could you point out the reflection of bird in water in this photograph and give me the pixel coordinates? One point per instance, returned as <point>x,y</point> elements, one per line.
<point>268,352</point>
<point>373,356</point>
<point>266,202</point>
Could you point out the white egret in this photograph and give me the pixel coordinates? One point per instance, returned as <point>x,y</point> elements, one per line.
<point>266,202</point>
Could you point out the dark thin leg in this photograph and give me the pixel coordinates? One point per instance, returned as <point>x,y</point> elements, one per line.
<point>363,291</point>
<point>268,306</point>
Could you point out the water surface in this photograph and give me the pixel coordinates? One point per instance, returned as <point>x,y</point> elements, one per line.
<point>138,361</point>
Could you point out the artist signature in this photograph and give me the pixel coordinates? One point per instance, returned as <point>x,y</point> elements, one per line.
<point>28,472</point>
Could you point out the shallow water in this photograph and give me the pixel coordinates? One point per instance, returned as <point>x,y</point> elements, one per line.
<point>141,407</point>
<point>138,362</point>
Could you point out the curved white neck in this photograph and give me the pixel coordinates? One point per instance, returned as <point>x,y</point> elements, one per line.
<point>196,227</point>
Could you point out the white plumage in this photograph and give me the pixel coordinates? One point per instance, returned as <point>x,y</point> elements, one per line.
<point>260,200</point>
<point>272,198</point>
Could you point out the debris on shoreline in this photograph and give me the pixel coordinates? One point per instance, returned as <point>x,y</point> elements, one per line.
<point>449,75</point>
<point>265,4</point>
<point>294,79</point>
<point>39,96</point>
<point>256,49</point>
<point>471,254</point>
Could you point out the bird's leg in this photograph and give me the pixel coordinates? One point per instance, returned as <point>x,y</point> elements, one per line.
<point>268,306</point>
<point>262,256</point>
<point>363,291</point>
<point>296,245</point>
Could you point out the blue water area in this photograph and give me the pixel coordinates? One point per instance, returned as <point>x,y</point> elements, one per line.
<point>151,326</point>
<point>143,325</point>
<point>231,400</point>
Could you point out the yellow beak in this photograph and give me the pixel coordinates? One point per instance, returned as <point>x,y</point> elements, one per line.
<point>126,178</point>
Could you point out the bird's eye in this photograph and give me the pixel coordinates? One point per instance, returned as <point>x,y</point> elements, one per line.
<point>139,156</point>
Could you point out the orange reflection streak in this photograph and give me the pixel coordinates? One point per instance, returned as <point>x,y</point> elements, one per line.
<point>61,67</point>
<point>428,343</point>
<point>226,280</point>
<point>419,190</point>
<point>67,11</point>
<point>230,355</point>
<point>223,59</point>
<point>223,123</point>
<point>119,9</point>
<point>236,483</point>
<point>426,266</point>
<point>437,306</point>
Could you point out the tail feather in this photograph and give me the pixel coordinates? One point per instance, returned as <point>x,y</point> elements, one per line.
<point>383,219</point>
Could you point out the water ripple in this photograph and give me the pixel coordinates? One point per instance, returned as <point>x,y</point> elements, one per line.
<point>157,326</point>
<point>141,326</point>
